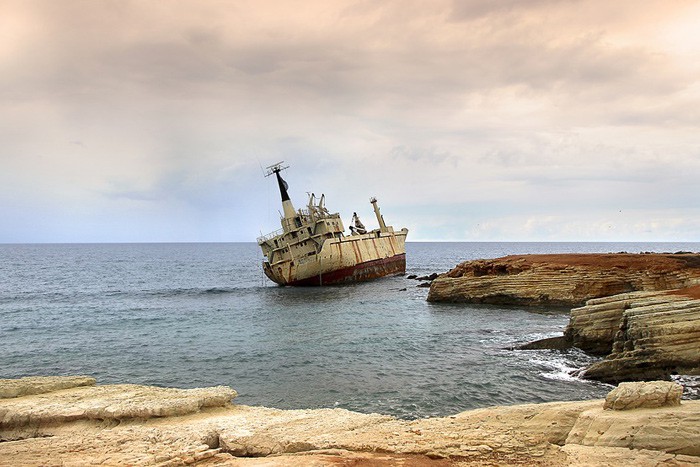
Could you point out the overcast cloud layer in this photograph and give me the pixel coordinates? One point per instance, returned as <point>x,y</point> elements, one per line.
<point>469,120</point>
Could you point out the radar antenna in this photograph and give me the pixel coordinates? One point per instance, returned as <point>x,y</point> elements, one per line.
<point>275,168</point>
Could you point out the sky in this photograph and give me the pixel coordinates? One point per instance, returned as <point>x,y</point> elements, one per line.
<point>469,120</point>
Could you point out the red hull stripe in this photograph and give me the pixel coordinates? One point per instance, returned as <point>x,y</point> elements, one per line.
<point>360,272</point>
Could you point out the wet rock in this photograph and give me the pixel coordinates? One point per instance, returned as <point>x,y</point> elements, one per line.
<point>550,343</point>
<point>430,277</point>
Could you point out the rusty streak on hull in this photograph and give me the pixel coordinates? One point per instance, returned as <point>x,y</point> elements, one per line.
<point>360,272</point>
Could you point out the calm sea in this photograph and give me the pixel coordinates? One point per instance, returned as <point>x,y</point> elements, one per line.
<point>189,315</point>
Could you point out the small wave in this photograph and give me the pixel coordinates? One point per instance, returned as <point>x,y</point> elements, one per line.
<point>562,372</point>
<point>536,336</point>
<point>559,366</point>
<point>217,290</point>
<point>192,291</point>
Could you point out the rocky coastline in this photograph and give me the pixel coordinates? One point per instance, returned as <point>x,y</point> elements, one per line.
<point>566,280</point>
<point>63,421</point>
<point>639,311</point>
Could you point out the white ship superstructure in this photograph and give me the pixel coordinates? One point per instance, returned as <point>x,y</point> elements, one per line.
<point>312,249</point>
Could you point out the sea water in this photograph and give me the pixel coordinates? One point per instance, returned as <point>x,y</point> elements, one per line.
<point>192,315</point>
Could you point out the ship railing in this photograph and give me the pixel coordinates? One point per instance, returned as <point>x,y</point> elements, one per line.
<point>264,238</point>
<point>317,214</point>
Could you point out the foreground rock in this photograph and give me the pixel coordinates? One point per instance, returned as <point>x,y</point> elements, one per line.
<point>651,395</point>
<point>136,425</point>
<point>41,384</point>
<point>21,417</point>
<point>563,279</point>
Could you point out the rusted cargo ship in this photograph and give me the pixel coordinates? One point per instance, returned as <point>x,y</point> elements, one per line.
<point>312,249</point>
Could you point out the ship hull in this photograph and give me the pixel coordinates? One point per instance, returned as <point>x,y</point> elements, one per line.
<point>358,273</point>
<point>341,260</point>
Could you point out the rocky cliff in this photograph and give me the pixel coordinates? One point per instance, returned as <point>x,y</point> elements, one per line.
<point>643,335</point>
<point>137,425</point>
<point>649,335</point>
<point>563,279</point>
<point>642,311</point>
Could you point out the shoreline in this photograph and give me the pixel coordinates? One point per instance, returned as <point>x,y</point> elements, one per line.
<point>73,421</point>
<point>637,310</point>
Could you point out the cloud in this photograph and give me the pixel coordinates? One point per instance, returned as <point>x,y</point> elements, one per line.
<point>539,107</point>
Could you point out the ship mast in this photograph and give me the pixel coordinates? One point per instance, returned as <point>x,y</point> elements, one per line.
<point>287,206</point>
<point>380,218</point>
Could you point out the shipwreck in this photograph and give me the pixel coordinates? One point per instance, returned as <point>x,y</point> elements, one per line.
<point>311,248</point>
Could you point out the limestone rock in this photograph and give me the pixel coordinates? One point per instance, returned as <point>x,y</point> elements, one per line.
<point>644,395</point>
<point>553,434</point>
<point>658,334</point>
<point>669,429</point>
<point>596,456</point>
<point>41,384</point>
<point>563,279</point>
<point>115,402</point>
<point>289,431</point>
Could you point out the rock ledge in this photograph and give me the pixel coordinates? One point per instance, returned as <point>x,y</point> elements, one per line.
<point>650,395</point>
<point>222,434</point>
<point>563,279</point>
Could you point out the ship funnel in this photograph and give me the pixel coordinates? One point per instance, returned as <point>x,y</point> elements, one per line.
<point>287,206</point>
<point>380,218</point>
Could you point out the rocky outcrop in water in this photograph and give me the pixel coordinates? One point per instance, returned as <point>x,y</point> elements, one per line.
<point>643,335</point>
<point>563,279</point>
<point>631,315</point>
<point>650,336</point>
<point>137,425</point>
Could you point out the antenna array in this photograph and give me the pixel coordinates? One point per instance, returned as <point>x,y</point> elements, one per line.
<point>274,168</point>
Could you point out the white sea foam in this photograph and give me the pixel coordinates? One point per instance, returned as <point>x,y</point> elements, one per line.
<point>559,369</point>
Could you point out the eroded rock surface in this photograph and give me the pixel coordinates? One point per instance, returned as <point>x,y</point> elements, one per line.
<point>25,416</point>
<point>665,429</point>
<point>143,432</point>
<point>641,311</point>
<point>563,279</point>
<point>650,335</point>
<point>650,395</point>
<point>41,384</point>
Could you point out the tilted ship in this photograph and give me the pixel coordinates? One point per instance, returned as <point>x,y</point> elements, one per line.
<point>311,248</point>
